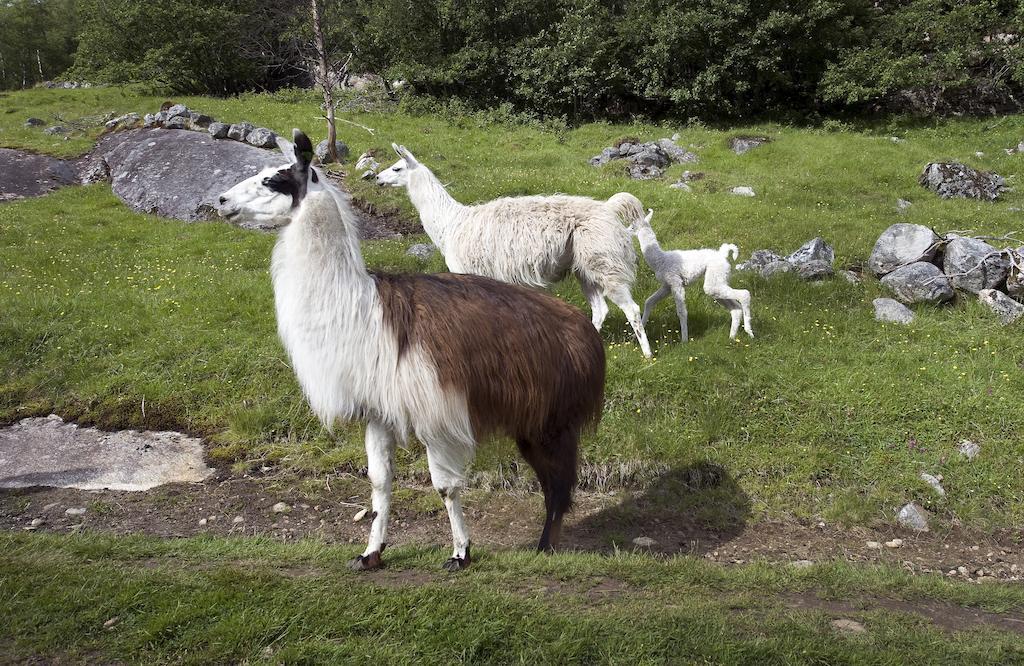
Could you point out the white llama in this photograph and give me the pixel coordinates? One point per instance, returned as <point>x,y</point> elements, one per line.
<point>677,269</point>
<point>451,358</point>
<point>531,240</point>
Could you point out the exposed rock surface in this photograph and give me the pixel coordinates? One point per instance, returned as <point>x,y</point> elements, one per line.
<point>919,282</point>
<point>973,265</point>
<point>28,175</point>
<point>815,269</point>
<point>178,174</point>
<point>892,311</point>
<point>1007,309</point>
<point>744,144</point>
<point>902,244</point>
<point>951,180</point>
<point>49,452</point>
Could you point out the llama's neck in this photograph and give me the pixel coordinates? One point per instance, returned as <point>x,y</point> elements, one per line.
<point>435,206</point>
<point>649,244</point>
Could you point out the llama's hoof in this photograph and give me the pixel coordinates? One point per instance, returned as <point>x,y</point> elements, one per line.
<point>455,564</point>
<point>366,562</point>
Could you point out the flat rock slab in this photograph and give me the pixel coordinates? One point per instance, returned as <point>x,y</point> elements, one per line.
<point>27,175</point>
<point>179,173</point>
<point>49,452</point>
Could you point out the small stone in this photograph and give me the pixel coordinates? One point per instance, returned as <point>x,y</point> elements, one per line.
<point>366,161</point>
<point>644,542</point>
<point>35,122</point>
<point>36,522</point>
<point>892,311</point>
<point>644,172</point>
<point>962,570</point>
<point>175,111</point>
<point>126,120</point>
<point>680,185</point>
<point>51,506</point>
<point>851,626</point>
<point>109,624</point>
<point>422,251</point>
<point>239,131</point>
<point>743,144</point>
<point>895,543</point>
<point>874,545</point>
<point>199,121</point>
<point>968,449</point>
<point>202,522</point>
<point>261,137</point>
<point>75,511</point>
<point>281,507</point>
<point>803,564</point>
<point>218,130</point>
<point>237,520</point>
<point>814,270</point>
<point>934,483</point>
<point>758,260</point>
<point>359,515</point>
<point>902,205</point>
<point>743,191</point>
<point>850,277</point>
<point>56,129</point>
<point>177,122</point>
<point>913,517</point>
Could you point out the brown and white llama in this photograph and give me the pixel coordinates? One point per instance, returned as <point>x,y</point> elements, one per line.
<point>451,358</point>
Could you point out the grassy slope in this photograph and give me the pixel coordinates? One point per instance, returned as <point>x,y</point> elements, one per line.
<point>826,414</point>
<point>251,601</point>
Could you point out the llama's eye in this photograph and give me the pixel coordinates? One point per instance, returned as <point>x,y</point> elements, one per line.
<point>398,169</point>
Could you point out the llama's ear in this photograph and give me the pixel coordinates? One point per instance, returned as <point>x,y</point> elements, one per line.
<point>410,159</point>
<point>303,150</point>
<point>397,149</point>
<point>650,214</point>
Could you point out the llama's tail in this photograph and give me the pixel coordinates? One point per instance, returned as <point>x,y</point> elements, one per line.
<point>727,249</point>
<point>627,207</point>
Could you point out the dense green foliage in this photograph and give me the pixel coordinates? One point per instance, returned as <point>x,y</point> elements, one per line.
<point>574,58</point>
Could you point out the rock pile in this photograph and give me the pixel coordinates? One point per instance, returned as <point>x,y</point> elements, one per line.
<point>919,266</point>
<point>179,116</point>
<point>812,261</point>
<point>953,180</point>
<point>744,144</point>
<point>648,160</point>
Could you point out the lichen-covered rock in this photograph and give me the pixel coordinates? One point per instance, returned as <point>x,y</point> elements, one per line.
<point>607,155</point>
<point>34,122</point>
<point>677,153</point>
<point>198,121</point>
<point>56,129</point>
<point>650,155</point>
<point>902,244</point>
<point>973,265</point>
<point>815,249</point>
<point>892,311</point>
<point>238,131</point>
<point>919,282</point>
<point>743,191</point>
<point>1007,309</point>
<point>175,110</point>
<point>422,251</point>
<point>644,172</point>
<point>127,120</point>
<point>758,260</point>
<point>814,269</point>
<point>325,157</point>
<point>913,517</point>
<point>261,137</point>
<point>218,130</point>
<point>176,122</point>
<point>775,268</point>
<point>951,180</point>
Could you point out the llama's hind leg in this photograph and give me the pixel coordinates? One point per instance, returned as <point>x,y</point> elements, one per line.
<point>679,295</point>
<point>380,451</point>
<point>620,296</point>
<point>744,299</point>
<point>448,465</point>
<point>598,306</point>
<point>553,458</point>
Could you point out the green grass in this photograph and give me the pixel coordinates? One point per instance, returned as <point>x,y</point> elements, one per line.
<point>121,319</point>
<point>212,600</point>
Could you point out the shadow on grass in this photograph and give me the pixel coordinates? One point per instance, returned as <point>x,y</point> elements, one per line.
<point>688,509</point>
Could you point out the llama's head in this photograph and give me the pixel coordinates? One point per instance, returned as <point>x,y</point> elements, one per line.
<point>397,175</point>
<point>642,224</point>
<point>266,200</point>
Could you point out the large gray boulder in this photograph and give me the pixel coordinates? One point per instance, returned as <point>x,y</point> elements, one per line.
<point>1007,309</point>
<point>261,137</point>
<point>179,174</point>
<point>953,180</point>
<point>919,282</point>
<point>973,265</point>
<point>902,244</point>
<point>892,312</point>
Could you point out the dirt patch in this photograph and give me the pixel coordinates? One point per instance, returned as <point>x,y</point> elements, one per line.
<point>601,522</point>
<point>380,223</point>
<point>28,175</point>
<point>947,617</point>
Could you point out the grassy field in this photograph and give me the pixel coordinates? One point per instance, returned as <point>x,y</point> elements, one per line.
<point>122,319</point>
<point>94,599</point>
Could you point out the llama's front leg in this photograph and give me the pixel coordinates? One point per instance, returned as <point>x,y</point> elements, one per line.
<point>653,300</point>
<point>679,294</point>
<point>448,465</point>
<point>380,454</point>
<point>736,313</point>
<point>598,307</point>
